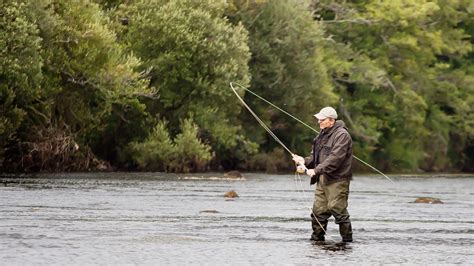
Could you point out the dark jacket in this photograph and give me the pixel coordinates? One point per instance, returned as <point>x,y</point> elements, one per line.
<point>332,154</point>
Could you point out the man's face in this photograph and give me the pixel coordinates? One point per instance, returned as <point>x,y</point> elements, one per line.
<point>325,123</point>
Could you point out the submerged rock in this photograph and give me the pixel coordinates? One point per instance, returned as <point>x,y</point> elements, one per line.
<point>209,211</point>
<point>233,174</point>
<point>428,200</point>
<point>231,194</point>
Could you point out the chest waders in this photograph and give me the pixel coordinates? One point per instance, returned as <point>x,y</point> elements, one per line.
<point>331,200</point>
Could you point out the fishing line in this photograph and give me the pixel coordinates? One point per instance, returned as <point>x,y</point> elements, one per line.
<point>299,120</point>
<point>307,200</point>
<point>297,176</point>
<point>260,121</point>
<point>280,142</point>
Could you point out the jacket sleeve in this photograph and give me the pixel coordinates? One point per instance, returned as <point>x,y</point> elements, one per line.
<point>342,143</point>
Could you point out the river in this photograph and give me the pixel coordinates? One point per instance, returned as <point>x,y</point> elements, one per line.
<point>156,218</point>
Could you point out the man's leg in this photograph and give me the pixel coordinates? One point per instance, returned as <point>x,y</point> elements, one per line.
<point>320,214</point>
<point>338,194</point>
<point>345,229</point>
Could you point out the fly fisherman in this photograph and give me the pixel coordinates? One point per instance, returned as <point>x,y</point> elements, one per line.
<point>330,167</point>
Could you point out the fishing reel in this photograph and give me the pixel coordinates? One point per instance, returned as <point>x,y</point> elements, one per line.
<point>301,169</point>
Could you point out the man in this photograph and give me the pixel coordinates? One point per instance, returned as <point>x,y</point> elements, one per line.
<point>330,166</point>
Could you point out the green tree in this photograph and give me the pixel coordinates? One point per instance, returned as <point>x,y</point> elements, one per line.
<point>415,45</point>
<point>192,53</point>
<point>83,71</point>
<point>287,68</point>
<point>96,77</point>
<point>20,75</point>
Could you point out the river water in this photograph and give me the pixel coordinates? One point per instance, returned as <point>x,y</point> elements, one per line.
<point>156,218</point>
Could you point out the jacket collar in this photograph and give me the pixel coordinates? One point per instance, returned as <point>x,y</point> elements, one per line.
<point>337,124</point>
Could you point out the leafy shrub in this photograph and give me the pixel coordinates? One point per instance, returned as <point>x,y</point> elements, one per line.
<point>156,151</point>
<point>160,153</point>
<point>191,153</point>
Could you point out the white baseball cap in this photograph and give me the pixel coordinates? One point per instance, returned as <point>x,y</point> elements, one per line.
<point>326,112</point>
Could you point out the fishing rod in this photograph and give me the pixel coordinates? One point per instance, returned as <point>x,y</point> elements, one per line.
<point>292,116</point>
<point>260,121</point>
<point>283,145</point>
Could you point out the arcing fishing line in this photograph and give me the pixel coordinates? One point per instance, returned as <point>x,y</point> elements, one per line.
<point>260,121</point>
<point>307,199</point>
<point>280,142</point>
<point>299,120</point>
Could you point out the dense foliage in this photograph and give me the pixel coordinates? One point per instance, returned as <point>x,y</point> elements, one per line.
<point>144,84</point>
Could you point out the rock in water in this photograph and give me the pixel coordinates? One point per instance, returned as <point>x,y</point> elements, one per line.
<point>233,174</point>
<point>231,194</point>
<point>428,200</point>
<point>209,211</point>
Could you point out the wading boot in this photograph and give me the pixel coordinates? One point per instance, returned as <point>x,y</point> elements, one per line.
<point>318,232</point>
<point>345,229</point>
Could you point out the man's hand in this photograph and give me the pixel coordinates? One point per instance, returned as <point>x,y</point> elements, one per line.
<point>298,159</point>
<point>310,172</point>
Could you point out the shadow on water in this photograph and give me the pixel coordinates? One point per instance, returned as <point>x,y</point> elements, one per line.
<point>332,246</point>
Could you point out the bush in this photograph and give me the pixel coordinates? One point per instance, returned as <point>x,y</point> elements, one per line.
<point>185,154</point>
<point>191,153</point>
<point>156,151</point>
